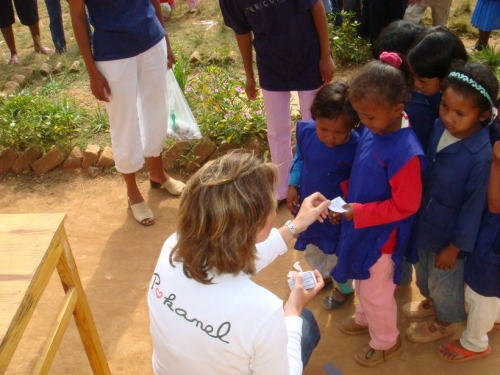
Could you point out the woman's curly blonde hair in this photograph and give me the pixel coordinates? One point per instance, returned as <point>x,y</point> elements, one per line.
<point>222,208</point>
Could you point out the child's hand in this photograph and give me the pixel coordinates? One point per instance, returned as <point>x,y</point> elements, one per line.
<point>292,199</point>
<point>496,154</point>
<point>349,214</point>
<point>447,257</point>
<point>335,217</point>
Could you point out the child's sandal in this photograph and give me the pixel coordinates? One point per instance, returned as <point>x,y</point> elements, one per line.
<point>454,352</point>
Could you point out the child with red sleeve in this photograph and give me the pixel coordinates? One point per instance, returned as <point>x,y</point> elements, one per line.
<point>384,195</point>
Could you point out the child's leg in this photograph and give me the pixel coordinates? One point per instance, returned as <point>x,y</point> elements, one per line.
<point>447,292</point>
<point>377,308</point>
<point>422,272</point>
<point>406,273</point>
<point>318,260</point>
<point>341,293</point>
<point>423,308</point>
<point>483,312</point>
<point>279,135</point>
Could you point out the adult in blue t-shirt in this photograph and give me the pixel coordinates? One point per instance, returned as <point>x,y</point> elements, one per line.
<point>290,38</point>
<point>127,68</point>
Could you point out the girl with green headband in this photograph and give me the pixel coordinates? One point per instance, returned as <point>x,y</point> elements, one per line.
<point>454,194</point>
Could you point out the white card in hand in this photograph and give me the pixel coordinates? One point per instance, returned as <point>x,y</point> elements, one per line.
<point>337,204</point>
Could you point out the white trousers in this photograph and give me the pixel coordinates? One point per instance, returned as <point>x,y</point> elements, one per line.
<point>484,312</point>
<point>138,108</point>
<point>279,130</point>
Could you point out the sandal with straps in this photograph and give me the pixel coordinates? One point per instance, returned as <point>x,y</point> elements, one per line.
<point>142,213</point>
<point>173,186</point>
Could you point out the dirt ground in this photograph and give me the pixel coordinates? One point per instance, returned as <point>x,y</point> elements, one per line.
<point>116,257</point>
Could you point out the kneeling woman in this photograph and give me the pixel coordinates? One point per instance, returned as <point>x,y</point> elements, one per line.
<point>207,316</point>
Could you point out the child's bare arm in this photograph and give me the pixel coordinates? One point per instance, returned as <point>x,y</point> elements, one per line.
<point>494,183</point>
<point>292,199</point>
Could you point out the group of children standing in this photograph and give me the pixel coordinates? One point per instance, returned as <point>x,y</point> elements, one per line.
<point>408,144</point>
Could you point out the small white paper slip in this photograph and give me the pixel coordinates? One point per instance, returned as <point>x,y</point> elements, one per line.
<point>337,204</point>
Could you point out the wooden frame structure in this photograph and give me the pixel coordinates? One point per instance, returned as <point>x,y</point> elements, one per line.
<point>32,246</point>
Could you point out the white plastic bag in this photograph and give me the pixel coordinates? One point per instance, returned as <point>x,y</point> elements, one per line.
<point>181,123</point>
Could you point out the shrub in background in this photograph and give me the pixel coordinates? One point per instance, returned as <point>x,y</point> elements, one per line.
<point>222,109</point>
<point>347,46</point>
<point>31,120</point>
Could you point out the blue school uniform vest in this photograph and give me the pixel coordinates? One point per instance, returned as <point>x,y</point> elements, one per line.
<point>482,266</point>
<point>323,170</point>
<point>378,159</point>
<point>454,192</point>
<point>422,111</point>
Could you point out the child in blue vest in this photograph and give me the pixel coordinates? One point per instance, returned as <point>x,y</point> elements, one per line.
<point>324,153</point>
<point>482,275</point>
<point>430,58</point>
<point>384,195</point>
<point>398,37</point>
<point>454,196</point>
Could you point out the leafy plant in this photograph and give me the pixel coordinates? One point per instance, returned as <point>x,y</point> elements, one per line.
<point>220,105</point>
<point>99,121</point>
<point>30,120</point>
<point>346,45</point>
<point>488,56</point>
<point>181,70</point>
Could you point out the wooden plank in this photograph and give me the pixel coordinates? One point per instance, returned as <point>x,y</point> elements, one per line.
<point>57,332</point>
<point>68,273</point>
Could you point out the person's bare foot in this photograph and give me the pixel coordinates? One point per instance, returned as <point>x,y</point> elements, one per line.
<point>43,50</point>
<point>14,59</point>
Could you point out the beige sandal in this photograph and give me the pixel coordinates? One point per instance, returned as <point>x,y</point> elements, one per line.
<point>173,186</point>
<point>141,213</point>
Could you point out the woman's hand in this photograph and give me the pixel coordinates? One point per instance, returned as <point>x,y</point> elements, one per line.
<point>300,297</point>
<point>314,207</point>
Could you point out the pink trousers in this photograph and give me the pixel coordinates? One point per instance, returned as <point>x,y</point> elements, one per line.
<point>279,130</point>
<point>377,307</point>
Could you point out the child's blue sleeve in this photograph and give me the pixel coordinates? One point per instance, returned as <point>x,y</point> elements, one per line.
<point>469,216</point>
<point>296,170</point>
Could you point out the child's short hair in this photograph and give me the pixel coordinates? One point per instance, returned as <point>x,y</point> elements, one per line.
<point>398,37</point>
<point>331,100</point>
<point>433,52</point>
<point>223,207</point>
<point>474,81</point>
<point>382,83</point>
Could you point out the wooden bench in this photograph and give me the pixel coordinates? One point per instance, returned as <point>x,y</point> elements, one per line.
<point>32,246</point>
